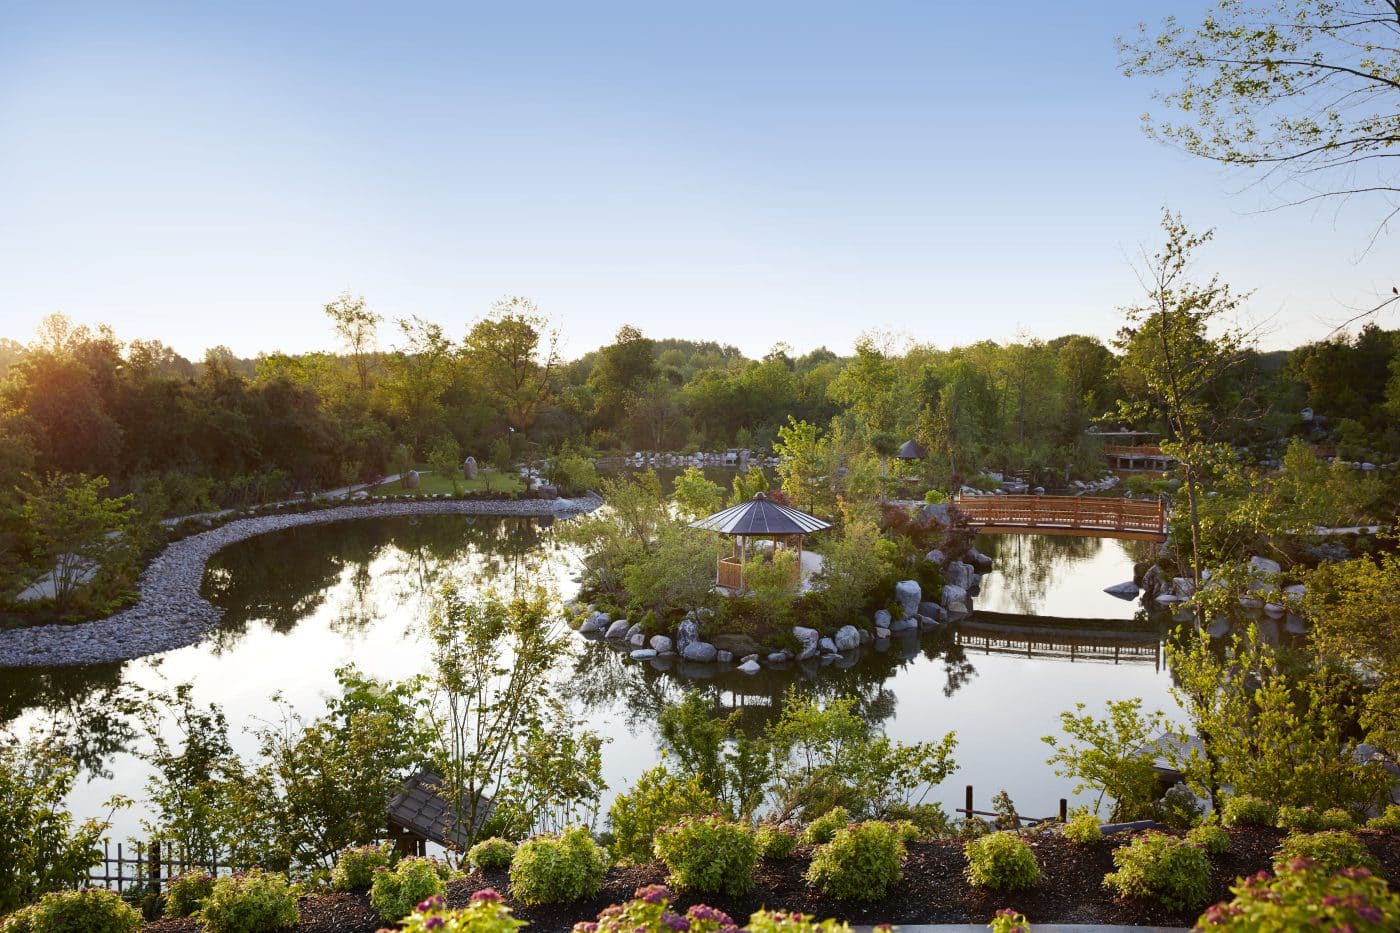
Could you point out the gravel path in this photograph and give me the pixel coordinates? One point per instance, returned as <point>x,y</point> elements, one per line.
<point>170,612</point>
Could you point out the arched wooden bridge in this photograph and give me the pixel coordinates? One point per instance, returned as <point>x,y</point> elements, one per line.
<point>1078,516</point>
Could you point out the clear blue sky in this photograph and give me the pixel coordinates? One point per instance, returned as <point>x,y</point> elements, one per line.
<point>751,172</point>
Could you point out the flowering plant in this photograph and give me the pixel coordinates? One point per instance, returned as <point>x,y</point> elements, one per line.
<point>650,912</point>
<point>776,921</point>
<point>1007,920</point>
<point>484,914</point>
<point>1302,896</point>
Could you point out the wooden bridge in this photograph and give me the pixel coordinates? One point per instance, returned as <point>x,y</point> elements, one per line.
<point>1078,516</point>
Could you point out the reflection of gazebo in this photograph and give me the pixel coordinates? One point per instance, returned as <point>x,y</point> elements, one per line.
<point>759,517</point>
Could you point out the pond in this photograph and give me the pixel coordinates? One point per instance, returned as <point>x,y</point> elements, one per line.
<point>303,602</point>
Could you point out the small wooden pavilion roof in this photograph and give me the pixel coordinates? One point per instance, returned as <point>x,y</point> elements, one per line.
<point>911,450</point>
<point>421,808</point>
<point>761,517</point>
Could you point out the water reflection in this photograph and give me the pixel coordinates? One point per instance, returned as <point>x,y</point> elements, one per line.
<point>1060,577</point>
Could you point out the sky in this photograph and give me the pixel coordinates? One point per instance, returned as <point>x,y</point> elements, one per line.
<point>751,173</point>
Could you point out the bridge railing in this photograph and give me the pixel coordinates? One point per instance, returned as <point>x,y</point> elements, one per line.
<point>1128,515</point>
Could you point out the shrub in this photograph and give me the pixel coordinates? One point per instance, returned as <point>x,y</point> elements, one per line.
<point>355,867</point>
<point>396,890</point>
<point>929,817</point>
<point>1302,896</point>
<point>658,799</point>
<point>775,921</point>
<point>709,854</point>
<point>483,914</point>
<point>250,902</point>
<point>974,827</point>
<point>1179,808</point>
<point>1337,818</point>
<point>91,910</point>
<point>1002,862</point>
<point>553,869</point>
<point>1298,819</point>
<point>859,863</point>
<point>907,830</point>
<point>1330,850</point>
<point>1082,829</point>
<point>650,912</point>
<point>1390,819</point>
<point>1162,868</point>
<point>492,854</point>
<point>775,842</point>
<point>821,830</point>
<point>1007,920</point>
<point>1211,838</point>
<point>187,892</point>
<point>1245,810</point>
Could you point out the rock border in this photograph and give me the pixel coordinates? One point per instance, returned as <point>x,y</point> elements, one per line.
<point>170,613</point>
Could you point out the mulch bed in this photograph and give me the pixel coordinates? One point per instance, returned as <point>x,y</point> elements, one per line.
<point>933,889</point>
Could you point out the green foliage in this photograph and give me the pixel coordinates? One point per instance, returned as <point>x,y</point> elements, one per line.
<point>859,863</point>
<point>714,750</point>
<point>929,818</point>
<point>1330,851</point>
<point>1337,818</point>
<point>395,891</point>
<point>492,854</point>
<point>555,869</point>
<point>771,581</point>
<point>708,854</point>
<point>1106,755</point>
<point>1302,896</point>
<point>44,851</point>
<point>1159,867</point>
<point>78,529</point>
<point>445,459</point>
<point>355,867</point>
<point>1298,819</point>
<point>854,562</point>
<point>650,912</point>
<point>187,892</point>
<point>1244,810</point>
<point>574,475</point>
<point>776,921</point>
<point>485,913</point>
<point>935,497</point>
<point>1007,920</point>
<point>1083,829</point>
<point>695,495</point>
<point>251,902</point>
<point>825,827</point>
<point>1211,838</point>
<point>658,799</point>
<point>91,910</point>
<point>1007,817</point>
<point>1389,820</point>
<point>1002,862</point>
<point>775,842</point>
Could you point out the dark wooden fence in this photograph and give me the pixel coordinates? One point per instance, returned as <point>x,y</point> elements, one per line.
<point>968,812</point>
<point>146,866</point>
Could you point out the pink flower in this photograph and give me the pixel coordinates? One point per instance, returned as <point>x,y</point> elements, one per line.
<point>486,894</point>
<point>654,893</point>
<point>436,902</point>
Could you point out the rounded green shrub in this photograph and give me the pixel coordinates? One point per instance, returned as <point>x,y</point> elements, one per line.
<point>1155,866</point>
<point>1303,897</point>
<point>187,892</point>
<point>355,867</point>
<point>1001,861</point>
<point>1083,829</point>
<point>91,910</point>
<point>19,921</point>
<point>1390,819</point>
<point>1211,838</point>
<point>1298,819</point>
<point>859,863</point>
<point>907,830</point>
<point>821,830</point>
<point>249,902</point>
<point>396,891</point>
<point>775,842</point>
<point>554,869</point>
<point>492,854</point>
<point>1245,810</point>
<point>710,854</point>
<point>658,799</point>
<point>1330,850</point>
<point>1337,818</point>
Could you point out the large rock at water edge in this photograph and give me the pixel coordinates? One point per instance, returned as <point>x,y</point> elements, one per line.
<point>643,654</point>
<point>847,637</point>
<point>749,667</point>
<point>1184,587</point>
<point>908,594</point>
<point>699,651</point>
<point>959,574</point>
<point>981,561</point>
<point>1262,565</point>
<point>933,611</point>
<point>618,629</point>
<point>687,633</point>
<point>936,557</point>
<point>903,625</point>
<point>955,599</point>
<point>809,638</point>
<point>1125,590</point>
<point>882,618</point>
<point>662,644</point>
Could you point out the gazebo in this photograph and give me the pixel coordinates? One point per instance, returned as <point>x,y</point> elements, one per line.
<point>911,450</point>
<point>759,517</point>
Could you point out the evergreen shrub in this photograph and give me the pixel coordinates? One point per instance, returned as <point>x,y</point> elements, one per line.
<point>709,854</point>
<point>1245,810</point>
<point>1001,861</point>
<point>355,867</point>
<point>1211,838</point>
<point>492,854</point>
<point>775,842</point>
<point>555,869</point>
<point>1330,851</point>
<point>89,910</point>
<point>187,892</point>
<point>859,863</point>
<point>1159,867</point>
<point>249,902</point>
<point>396,891</point>
<point>1083,829</point>
<point>821,830</point>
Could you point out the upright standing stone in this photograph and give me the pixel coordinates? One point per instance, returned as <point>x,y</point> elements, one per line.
<point>469,468</point>
<point>410,480</point>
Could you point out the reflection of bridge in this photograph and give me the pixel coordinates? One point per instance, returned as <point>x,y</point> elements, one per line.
<point>1072,642</point>
<point>1080,516</point>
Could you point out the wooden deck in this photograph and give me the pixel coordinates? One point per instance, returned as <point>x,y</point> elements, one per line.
<point>1079,516</point>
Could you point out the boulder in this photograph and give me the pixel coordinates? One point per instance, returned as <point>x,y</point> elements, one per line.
<point>903,625</point>
<point>411,480</point>
<point>882,618</point>
<point>636,640</point>
<point>1038,491</point>
<point>1126,590</point>
<point>847,637</point>
<point>1184,587</point>
<point>938,513</point>
<point>547,491</point>
<point>749,667</point>
<point>469,468</point>
<point>634,630</point>
<point>737,644</point>
<point>926,623</point>
<point>954,599</point>
<point>1249,602</point>
<point>617,630</point>
<point>1152,581</point>
<point>933,611</point>
<point>981,561</point>
<point>597,622</point>
<point>908,594</point>
<point>724,657</point>
<point>643,654</point>
<point>882,634</point>
<point>699,651</point>
<point>747,658</point>
<point>1262,565</point>
<point>662,644</point>
<point>779,657</point>
<point>936,557</point>
<point>686,633</point>
<point>809,638</point>
<point>827,645</point>
<point>959,574</point>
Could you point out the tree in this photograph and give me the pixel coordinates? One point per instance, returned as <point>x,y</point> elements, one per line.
<point>419,374</point>
<point>1112,755</point>
<point>506,353</point>
<point>445,459</point>
<point>356,326</point>
<point>807,465</point>
<point>695,495</point>
<point>621,369</point>
<point>77,527</point>
<point>1303,87</point>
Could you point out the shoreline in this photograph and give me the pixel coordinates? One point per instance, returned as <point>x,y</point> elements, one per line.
<point>170,612</point>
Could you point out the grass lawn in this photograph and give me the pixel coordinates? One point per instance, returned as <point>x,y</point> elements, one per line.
<point>430,484</point>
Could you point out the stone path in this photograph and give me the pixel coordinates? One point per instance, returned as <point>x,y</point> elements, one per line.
<point>170,612</point>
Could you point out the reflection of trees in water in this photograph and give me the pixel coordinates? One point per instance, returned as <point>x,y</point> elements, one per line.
<point>1026,564</point>
<point>89,712</point>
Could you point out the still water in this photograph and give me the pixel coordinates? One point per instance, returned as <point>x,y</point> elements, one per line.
<point>303,602</point>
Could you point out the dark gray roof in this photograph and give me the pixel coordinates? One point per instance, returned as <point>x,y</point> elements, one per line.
<point>420,807</point>
<point>911,450</point>
<point>761,516</point>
